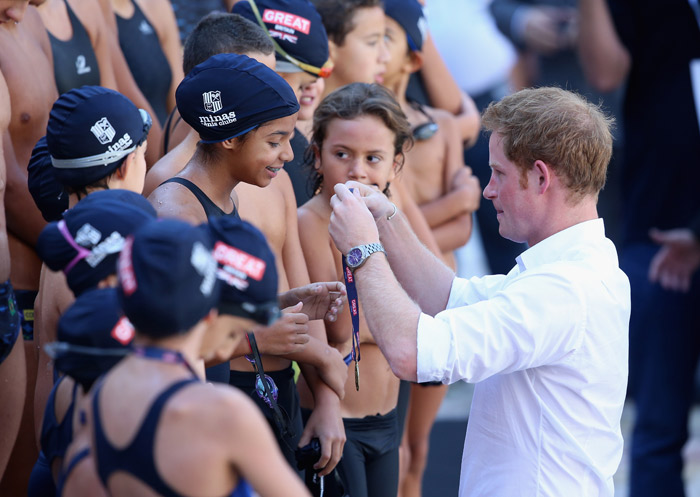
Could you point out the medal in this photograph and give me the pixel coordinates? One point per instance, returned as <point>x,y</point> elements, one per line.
<point>357,376</point>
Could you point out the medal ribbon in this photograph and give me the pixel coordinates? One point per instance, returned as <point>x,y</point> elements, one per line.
<point>354,303</point>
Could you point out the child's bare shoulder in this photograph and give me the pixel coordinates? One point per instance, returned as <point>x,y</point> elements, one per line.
<point>313,215</point>
<point>173,200</point>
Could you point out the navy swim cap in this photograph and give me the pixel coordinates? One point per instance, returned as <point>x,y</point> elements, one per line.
<point>296,29</point>
<point>90,131</point>
<point>93,335</point>
<point>246,266</point>
<point>167,278</point>
<point>86,243</point>
<point>48,193</point>
<point>228,95</point>
<point>409,15</point>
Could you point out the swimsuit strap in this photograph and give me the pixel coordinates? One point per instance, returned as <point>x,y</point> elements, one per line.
<point>137,458</point>
<point>210,208</point>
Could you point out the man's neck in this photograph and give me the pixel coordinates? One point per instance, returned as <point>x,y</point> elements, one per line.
<point>586,210</point>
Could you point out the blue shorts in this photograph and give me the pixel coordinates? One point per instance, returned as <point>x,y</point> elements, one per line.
<point>25,304</point>
<point>9,320</point>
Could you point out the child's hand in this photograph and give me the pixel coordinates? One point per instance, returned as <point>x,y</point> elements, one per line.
<point>321,300</point>
<point>467,186</point>
<point>289,334</point>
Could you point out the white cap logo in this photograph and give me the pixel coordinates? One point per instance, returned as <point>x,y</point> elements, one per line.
<point>103,131</point>
<point>212,101</point>
<point>88,235</point>
<point>205,265</point>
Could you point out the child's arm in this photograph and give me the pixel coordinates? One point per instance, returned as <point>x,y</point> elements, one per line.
<point>449,215</point>
<point>317,250</point>
<point>415,217</point>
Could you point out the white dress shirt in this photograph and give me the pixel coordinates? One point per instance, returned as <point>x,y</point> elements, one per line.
<point>548,346</point>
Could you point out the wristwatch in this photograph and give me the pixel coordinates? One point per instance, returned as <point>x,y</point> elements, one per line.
<point>357,256</point>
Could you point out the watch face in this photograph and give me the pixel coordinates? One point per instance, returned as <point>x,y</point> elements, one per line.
<point>354,257</point>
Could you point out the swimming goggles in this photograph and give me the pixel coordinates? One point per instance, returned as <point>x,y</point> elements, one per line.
<point>427,130</point>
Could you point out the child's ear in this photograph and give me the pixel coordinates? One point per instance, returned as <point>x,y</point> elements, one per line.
<point>231,143</point>
<point>317,157</point>
<point>332,51</point>
<point>121,172</point>
<point>398,162</point>
<point>415,61</point>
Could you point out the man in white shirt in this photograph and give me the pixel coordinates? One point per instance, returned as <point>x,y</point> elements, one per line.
<point>546,343</point>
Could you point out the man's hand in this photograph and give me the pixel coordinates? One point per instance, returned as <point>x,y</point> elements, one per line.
<point>287,335</point>
<point>377,203</point>
<point>326,424</point>
<point>322,300</point>
<point>352,223</point>
<point>675,263</point>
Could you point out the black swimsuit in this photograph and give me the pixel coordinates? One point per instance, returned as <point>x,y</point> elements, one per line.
<point>137,458</point>
<point>74,60</point>
<point>210,208</point>
<point>144,55</point>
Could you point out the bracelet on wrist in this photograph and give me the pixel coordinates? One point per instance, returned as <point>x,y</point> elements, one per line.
<point>388,218</point>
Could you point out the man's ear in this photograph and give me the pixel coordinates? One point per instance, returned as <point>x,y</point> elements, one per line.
<point>543,174</point>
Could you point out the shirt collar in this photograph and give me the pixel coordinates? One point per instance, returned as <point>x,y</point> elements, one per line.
<point>555,247</point>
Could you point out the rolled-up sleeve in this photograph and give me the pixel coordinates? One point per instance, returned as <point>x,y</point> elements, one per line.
<point>434,341</point>
<point>512,330</point>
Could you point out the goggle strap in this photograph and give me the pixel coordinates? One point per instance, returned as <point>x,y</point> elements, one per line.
<point>282,424</point>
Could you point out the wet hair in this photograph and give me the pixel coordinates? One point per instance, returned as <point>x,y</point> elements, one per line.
<point>558,127</point>
<point>338,16</point>
<point>101,184</point>
<point>353,101</point>
<point>220,32</point>
<point>210,153</point>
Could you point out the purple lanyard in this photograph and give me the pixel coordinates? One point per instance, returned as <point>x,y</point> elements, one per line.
<point>167,356</point>
<point>354,303</point>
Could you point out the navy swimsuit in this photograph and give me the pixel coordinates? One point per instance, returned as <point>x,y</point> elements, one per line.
<point>137,458</point>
